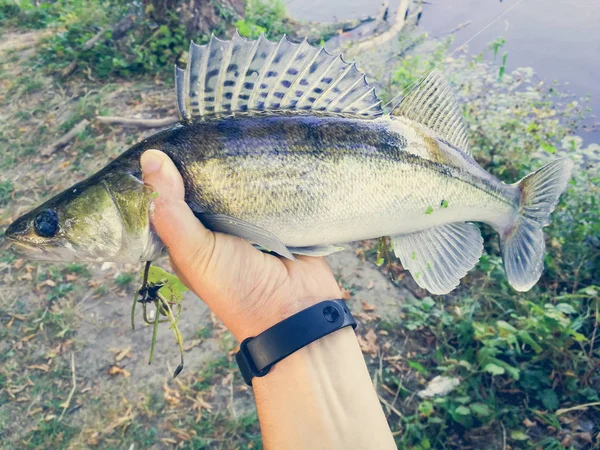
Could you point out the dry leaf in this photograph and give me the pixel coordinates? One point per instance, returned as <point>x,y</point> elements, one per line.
<point>371,284</point>
<point>191,344</point>
<point>227,379</point>
<point>17,316</point>
<point>346,294</point>
<point>529,423</point>
<point>71,277</point>
<point>42,367</point>
<point>28,338</point>
<point>368,307</point>
<point>18,263</point>
<point>48,282</point>
<point>35,411</point>
<point>368,344</point>
<point>171,396</point>
<point>116,370</point>
<point>122,353</point>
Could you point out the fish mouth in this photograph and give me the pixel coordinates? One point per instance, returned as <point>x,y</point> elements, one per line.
<point>27,249</point>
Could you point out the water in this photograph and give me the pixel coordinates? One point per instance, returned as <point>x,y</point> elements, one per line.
<point>560,39</point>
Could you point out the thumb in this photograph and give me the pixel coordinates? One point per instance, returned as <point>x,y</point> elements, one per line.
<point>189,243</point>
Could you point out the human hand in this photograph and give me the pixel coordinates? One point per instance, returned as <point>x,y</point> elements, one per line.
<point>248,290</point>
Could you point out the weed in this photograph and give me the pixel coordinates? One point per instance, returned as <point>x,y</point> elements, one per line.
<point>6,190</point>
<point>25,14</point>
<point>124,279</point>
<point>264,16</point>
<point>517,354</point>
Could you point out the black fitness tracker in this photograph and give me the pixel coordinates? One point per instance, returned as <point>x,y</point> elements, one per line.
<point>258,354</point>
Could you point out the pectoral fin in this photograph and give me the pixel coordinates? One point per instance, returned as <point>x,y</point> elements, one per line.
<point>439,257</point>
<point>245,230</point>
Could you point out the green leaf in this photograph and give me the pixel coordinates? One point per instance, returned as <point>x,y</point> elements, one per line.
<point>566,308</point>
<point>526,338</point>
<point>505,326</point>
<point>173,288</point>
<point>519,435</point>
<point>549,399</point>
<point>429,210</point>
<point>418,367</point>
<point>494,369</point>
<point>548,148</point>
<point>425,408</point>
<point>480,409</point>
<point>463,411</point>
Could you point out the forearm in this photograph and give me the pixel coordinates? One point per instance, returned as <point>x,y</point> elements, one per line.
<point>321,397</point>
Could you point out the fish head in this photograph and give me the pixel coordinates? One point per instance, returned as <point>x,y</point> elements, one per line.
<point>101,219</point>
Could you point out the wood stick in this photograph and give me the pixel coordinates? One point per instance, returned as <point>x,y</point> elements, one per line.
<point>138,123</point>
<point>81,126</point>
<point>382,38</point>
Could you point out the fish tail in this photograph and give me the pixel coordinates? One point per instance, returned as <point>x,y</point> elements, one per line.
<point>522,242</point>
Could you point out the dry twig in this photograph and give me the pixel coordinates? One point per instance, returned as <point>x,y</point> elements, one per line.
<point>81,126</point>
<point>67,402</point>
<point>138,123</point>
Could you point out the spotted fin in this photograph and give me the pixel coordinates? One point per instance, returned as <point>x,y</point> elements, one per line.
<point>245,230</point>
<point>227,77</point>
<point>439,257</point>
<point>432,103</point>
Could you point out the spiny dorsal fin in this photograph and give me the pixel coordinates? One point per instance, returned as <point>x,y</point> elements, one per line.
<point>432,104</point>
<point>227,77</point>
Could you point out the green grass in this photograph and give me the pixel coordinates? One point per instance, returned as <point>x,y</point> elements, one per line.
<point>6,189</point>
<point>124,279</point>
<point>264,16</point>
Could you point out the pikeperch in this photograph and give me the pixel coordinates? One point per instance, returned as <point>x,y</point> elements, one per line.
<point>287,146</point>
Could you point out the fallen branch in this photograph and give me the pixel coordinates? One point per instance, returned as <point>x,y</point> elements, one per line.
<point>382,38</point>
<point>138,123</point>
<point>81,126</point>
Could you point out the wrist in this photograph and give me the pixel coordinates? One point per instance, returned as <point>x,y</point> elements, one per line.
<point>322,397</point>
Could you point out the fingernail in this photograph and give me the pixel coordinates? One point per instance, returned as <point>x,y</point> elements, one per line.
<point>151,162</point>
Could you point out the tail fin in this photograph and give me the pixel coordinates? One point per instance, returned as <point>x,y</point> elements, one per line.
<point>523,244</point>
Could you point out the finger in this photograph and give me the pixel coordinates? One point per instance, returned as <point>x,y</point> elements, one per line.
<point>189,243</point>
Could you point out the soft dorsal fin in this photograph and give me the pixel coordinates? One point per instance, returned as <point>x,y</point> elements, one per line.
<point>432,103</point>
<point>226,77</point>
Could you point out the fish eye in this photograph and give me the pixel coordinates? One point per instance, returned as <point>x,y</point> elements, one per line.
<point>46,223</point>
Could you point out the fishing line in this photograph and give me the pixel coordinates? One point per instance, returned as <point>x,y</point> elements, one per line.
<point>401,94</point>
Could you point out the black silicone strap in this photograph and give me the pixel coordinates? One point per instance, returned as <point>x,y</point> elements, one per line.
<point>258,354</point>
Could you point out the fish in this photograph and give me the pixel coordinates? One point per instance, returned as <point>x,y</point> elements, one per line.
<point>287,146</point>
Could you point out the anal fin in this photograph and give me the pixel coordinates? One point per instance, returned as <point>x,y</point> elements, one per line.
<point>439,257</point>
